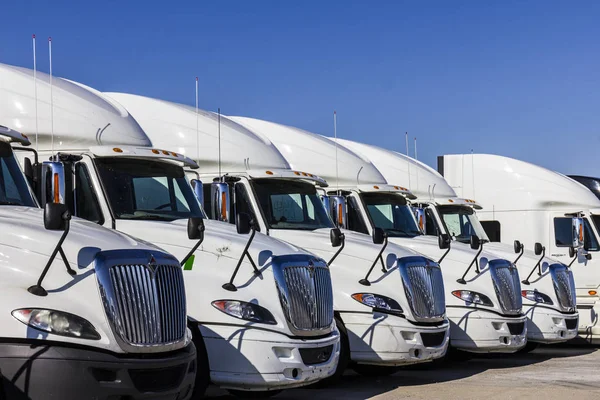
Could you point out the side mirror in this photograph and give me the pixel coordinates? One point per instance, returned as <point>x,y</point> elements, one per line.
<point>243,223</point>
<point>538,249</point>
<point>475,242</point>
<point>420,216</point>
<point>338,211</point>
<point>195,228</point>
<point>220,201</point>
<point>56,216</point>
<point>444,241</point>
<point>518,246</point>
<point>198,190</point>
<point>378,236</point>
<point>336,236</point>
<point>578,235</point>
<point>53,182</point>
<point>571,252</point>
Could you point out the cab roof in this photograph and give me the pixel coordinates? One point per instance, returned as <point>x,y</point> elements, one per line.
<point>142,152</point>
<point>10,135</point>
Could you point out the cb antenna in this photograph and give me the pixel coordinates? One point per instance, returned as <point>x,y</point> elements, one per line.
<point>417,169</point>
<point>197,131</point>
<point>219,123</point>
<point>337,176</point>
<point>51,97</point>
<point>407,159</point>
<point>35,92</point>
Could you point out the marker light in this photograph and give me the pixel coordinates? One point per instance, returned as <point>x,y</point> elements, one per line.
<point>378,303</point>
<point>537,297</point>
<point>246,311</point>
<point>224,206</point>
<point>56,187</point>
<point>166,153</point>
<point>375,187</point>
<point>117,150</point>
<point>57,323</point>
<point>269,172</point>
<point>340,216</point>
<point>155,151</point>
<point>296,173</point>
<point>592,292</point>
<point>473,297</point>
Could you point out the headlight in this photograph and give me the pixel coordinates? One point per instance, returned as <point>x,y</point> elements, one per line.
<point>57,322</point>
<point>378,303</point>
<point>247,311</point>
<point>537,297</point>
<point>473,297</point>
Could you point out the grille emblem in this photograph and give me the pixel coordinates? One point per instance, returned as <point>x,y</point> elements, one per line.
<point>311,268</point>
<point>152,266</point>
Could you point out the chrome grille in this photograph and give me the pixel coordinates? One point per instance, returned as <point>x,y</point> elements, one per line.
<point>305,293</point>
<point>507,285</point>
<point>144,299</point>
<point>424,287</point>
<point>564,286</point>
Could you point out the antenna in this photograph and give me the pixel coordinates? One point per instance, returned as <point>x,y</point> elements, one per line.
<point>337,176</point>
<point>358,175</point>
<point>417,170</point>
<point>51,97</point>
<point>35,92</point>
<point>407,159</point>
<point>197,131</point>
<point>416,149</point>
<point>219,117</point>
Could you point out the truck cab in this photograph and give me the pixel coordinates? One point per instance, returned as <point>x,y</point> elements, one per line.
<point>482,290</point>
<point>535,205</point>
<point>260,311</point>
<point>389,302</point>
<point>77,321</point>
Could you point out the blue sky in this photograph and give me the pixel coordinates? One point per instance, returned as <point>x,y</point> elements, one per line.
<point>517,78</point>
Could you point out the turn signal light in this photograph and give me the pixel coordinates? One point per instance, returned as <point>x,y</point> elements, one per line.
<point>592,292</point>
<point>56,187</point>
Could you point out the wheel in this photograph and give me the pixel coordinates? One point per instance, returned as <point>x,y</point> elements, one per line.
<point>529,347</point>
<point>343,360</point>
<point>254,394</point>
<point>202,366</point>
<point>374,370</point>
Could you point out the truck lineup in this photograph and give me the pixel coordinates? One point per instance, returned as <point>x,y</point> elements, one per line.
<point>152,248</point>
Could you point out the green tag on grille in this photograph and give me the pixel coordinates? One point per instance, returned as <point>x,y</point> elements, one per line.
<point>189,264</point>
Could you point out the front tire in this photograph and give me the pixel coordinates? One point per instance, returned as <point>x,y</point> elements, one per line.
<point>202,366</point>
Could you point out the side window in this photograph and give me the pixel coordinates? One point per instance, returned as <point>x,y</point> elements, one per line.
<point>356,222</point>
<point>591,242</point>
<point>562,232</point>
<point>207,200</point>
<point>86,202</point>
<point>242,202</point>
<point>492,230</point>
<point>431,227</point>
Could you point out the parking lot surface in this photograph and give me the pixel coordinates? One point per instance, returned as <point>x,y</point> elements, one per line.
<point>566,372</point>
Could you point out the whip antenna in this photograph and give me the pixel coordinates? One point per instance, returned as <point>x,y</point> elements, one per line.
<point>35,92</point>
<point>197,132</point>
<point>219,119</point>
<point>417,170</point>
<point>407,158</point>
<point>51,97</point>
<point>337,176</point>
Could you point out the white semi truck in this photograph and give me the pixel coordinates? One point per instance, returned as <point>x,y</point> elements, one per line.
<point>260,310</point>
<point>483,293</point>
<point>396,318</point>
<point>533,204</point>
<point>71,328</point>
<point>548,298</point>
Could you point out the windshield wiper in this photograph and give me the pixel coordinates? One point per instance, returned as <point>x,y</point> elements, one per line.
<point>151,217</point>
<point>10,203</point>
<point>402,231</point>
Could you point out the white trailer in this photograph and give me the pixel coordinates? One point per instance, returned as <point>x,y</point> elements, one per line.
<point>397,319</point>
<point>535,205</point>
<point>260,310</point>
<point>483,294</point>
<point>548,299</point>
<point>71,329</point>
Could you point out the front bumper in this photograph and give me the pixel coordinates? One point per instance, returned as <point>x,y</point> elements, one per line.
<point>481,331</point>
<point>549,326</point>
<point>387,340</point>
<point>43,371</point>
<point>253,359</point>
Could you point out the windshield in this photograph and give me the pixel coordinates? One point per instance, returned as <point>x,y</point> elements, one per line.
<point>140,189</point>
<point>13,187</point>
<point>288,204</point>
<point>461,223</point>
<point>391,213</point>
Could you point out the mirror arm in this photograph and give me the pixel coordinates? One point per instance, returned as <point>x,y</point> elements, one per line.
<point>476,262</point>
<point>337,253</point>
<point>445,254</point>
<point>192,251</point>
<point>365,280</point>
<point>229,285</point>
<point>536,266</point>
<point>37,289</point>
<point>520,255</point>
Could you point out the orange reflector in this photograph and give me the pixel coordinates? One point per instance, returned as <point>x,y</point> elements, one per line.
<point>117,150</point>
<point>224,206</point>
<point>155,151</point>
<point>166,153</point>
<point>340,216</point>
<point>592,292</point>
<point>450,200</point>
<point>56,187</point>
<point>581,232</point>
<point>174,154</point>
<point>304,174</point>
<point>296,172</point>
<point>269,172</point>
<point>358,296</point>
<point>397,187</point>
<point>375,187</point>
